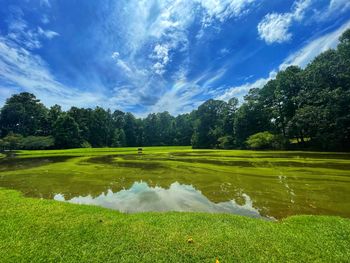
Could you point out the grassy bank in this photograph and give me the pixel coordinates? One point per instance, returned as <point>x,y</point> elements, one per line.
<point>34,230</point>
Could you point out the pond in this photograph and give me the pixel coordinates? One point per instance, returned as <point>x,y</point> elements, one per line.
<point>269,185</point>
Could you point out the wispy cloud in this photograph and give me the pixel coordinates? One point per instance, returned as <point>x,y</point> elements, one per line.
<point>335,8</point>
<point>45,3</point>
<point>47,33</point>
<point>186,95</point>
<point>161,30</point>
<point>338,6</point>
<point>20,32</point>
<point>20,69</point>
<point>303,56</point>
<point>240,91</point>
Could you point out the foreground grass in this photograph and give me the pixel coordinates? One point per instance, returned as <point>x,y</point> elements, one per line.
<point>34,230</point>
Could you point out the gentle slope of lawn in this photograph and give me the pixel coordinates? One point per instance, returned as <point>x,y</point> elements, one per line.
<point>34,230</point>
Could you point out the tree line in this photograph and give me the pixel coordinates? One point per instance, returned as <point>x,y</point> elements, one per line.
<point>299,109</point>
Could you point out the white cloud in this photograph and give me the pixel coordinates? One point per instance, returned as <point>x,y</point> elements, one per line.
<point>47,33</point>
<point>166,23</point>
<point>221,10</point>
<point>161,55</point>
<point>20,32</point>
<point>274,27</point>
<point>161,28</point>
<point>115,55</point>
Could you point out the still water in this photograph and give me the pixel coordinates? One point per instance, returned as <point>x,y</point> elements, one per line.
<point>143,198</point>
<point>269,185</point>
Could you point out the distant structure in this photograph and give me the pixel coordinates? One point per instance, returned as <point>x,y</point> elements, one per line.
<point>139,150</point>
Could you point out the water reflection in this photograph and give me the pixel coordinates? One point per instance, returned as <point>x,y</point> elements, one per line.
<point>178,197</point>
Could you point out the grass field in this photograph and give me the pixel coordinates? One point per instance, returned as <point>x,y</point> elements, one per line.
<point>279,183</point>
<point>34,230</point>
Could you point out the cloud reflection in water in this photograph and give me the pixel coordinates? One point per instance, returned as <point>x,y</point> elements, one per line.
<point>143,198</point>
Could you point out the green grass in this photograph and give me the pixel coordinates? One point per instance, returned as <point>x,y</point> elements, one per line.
<point>40,230</point>
<point>34,230</point>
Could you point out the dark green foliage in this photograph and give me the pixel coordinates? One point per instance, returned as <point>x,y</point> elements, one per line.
<point>100,127</point>
<point>209,124</point>
<point>83,117</point>
<point>118,138</point>
<point>11,142</point>
<point>226,142</point>
<point>130,130</point>
<point>23,114</point>
<point>38,142</point>
<point>184,130</point>
<point>18,142</point>
<point>309,107</point>
<point>66,132</point>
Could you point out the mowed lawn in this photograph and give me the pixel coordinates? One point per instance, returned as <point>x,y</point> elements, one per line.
<point>40,230</point>
<point>34,230</point>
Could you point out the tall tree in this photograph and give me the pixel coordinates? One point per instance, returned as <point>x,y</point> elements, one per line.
<point>130,130</point>
<point>83,117</point>
<point>252,117</point>
<point>208,126</point>
<point>66,132</point>
<point>101,128</point>
<point>23,114</point>
<point>184,129</point>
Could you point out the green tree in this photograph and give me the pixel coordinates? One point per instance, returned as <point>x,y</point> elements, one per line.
<point>83,117</point>
<point>209,124</point>
<point>130,130</point>
<point>261,140</point>
<point>184,129</point>
<point>66,132</point>
<point>119,138</point>
<point>101,128</point>
<point>251,117</point>
<point>23,114</point>
<point>54,112</point>
<point>288,83</point>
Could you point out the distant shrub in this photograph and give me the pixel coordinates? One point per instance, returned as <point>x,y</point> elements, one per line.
<point>264,140</point>
<point>225,142</point>
<point>11,142</point>
<point>18,142</point>
<point>86,144</point>
<point>37,142</point>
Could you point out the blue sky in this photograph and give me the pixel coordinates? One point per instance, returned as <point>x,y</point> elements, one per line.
<point>148,56</point>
